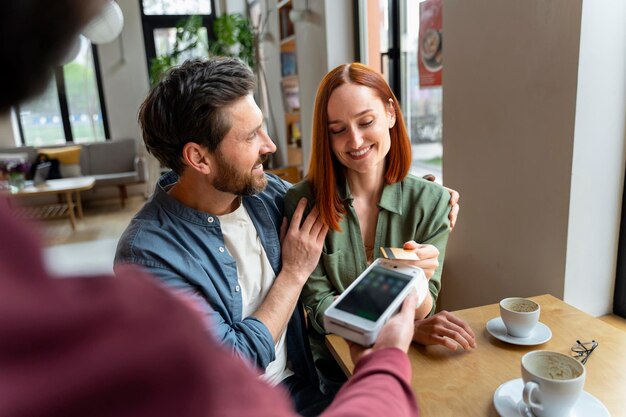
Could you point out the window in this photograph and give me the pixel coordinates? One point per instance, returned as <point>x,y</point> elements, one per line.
<point>389,33</point>
<point>160,17</point>
<point>71,108</point>
<point>177,7</point>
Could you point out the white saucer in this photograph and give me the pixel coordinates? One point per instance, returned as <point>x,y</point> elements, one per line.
<point>540,334</point>
<point>508,402</point>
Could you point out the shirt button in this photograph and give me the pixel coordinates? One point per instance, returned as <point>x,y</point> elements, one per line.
<point>210,219</point>
<point>221,249</point>
<point>237,288</point>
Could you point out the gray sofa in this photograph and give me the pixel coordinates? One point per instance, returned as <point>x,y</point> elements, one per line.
<point>113,163</point>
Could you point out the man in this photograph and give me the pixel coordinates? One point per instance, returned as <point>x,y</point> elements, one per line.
<point>126,347</point>
<point>212,229</point>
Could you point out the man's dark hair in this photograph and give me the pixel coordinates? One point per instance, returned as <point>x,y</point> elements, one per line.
<point>187,105</point>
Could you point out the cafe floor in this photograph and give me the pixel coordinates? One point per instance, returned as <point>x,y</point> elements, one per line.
<point>91,247</point>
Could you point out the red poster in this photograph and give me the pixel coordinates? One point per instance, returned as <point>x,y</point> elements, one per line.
<point>430,54</point>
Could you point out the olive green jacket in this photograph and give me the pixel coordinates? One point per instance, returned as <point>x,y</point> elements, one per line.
<point>413,209</point>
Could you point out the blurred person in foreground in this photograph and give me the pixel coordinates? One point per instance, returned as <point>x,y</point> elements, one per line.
<point>100,346</point>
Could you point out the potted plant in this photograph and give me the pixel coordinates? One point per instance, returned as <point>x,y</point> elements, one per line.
<point>233,38</point>
<point>14,172</point>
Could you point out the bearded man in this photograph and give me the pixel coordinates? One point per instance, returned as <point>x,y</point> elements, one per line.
<point>213,227</point>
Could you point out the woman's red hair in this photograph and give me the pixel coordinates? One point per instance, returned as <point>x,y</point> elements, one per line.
<point>325,171</point>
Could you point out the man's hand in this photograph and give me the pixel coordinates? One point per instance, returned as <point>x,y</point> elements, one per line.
<point>427,254</point>
<point>444,329</point>
<point>397,332</point>
<point>454,201</point>
<point>302,243</point>
<point>301,246</point>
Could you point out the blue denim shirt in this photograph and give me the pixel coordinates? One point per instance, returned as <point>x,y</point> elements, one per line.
<point>185,249</point>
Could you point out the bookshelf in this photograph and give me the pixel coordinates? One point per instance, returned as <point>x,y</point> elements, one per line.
<point>289,83</point>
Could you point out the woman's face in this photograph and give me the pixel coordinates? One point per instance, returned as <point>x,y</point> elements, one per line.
<point>358,127</point>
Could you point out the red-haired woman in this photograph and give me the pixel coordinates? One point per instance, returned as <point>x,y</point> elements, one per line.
<point>358,178</point>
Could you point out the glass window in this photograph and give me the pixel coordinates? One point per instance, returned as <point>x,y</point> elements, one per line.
<point>164,39</point>
<point>83,101</point>
<point>422,106</point>
<point>389,31</point>
<point>160,18</point>
<point>70,108</point>
<point>176,7</point>
<point>41,119</point>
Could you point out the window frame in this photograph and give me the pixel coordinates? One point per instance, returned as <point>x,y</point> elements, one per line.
<point>619,295</point>
<point>59,77</point>
<point>150,22</point>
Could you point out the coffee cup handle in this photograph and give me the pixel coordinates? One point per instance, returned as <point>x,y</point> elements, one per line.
<point>529,388</point>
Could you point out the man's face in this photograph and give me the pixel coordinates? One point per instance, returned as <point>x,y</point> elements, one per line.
<point>238,160</point>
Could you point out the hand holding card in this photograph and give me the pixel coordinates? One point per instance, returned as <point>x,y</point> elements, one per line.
<point>399,253</point>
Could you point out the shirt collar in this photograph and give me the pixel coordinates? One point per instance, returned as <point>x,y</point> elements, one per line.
<point>390,200</point>
<point>343,189</point>
<point>182,211</point>
<point>174,206</point>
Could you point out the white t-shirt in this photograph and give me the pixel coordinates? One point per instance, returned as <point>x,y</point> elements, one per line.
<point>256,277</point>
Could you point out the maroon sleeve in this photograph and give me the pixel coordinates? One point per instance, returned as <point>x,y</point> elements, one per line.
<point>380,386</point>
<point>101,346</point>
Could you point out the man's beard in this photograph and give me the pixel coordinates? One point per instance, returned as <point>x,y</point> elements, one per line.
<point>231,180</point>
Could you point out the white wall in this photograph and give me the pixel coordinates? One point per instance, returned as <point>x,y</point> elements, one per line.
<point>125,82</point>
<point>271,63</point>
<point>598,163</point>
<point>324,40</point>
<point>124,74</point>
<point>509,108</point>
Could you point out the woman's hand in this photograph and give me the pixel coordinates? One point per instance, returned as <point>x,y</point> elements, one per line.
<point>428,257</point>
<point>444,329</point>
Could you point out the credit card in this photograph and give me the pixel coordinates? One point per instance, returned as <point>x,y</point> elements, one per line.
<point>398,253</point>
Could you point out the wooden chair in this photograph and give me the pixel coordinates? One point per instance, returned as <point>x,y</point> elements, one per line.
<point>290,174</point>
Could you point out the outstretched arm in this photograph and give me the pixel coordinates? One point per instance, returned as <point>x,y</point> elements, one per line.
<point>381,384</point>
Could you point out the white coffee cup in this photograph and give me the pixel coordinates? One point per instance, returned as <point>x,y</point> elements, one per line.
<point>552,382</point>
<point>520,315</point>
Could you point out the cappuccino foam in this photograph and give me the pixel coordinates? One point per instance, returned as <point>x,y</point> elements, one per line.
<point>550,367</point>
<point>521,307</point>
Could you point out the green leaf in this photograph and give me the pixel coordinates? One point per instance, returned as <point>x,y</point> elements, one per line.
<point>234,38</point>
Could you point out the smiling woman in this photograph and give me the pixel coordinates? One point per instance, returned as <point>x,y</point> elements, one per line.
<point>358,178</point>
<point>359,124</point>
<point>324,169</point>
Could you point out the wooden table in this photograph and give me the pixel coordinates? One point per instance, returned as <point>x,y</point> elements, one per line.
<point>463,383</point>
<point>69,188</point>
